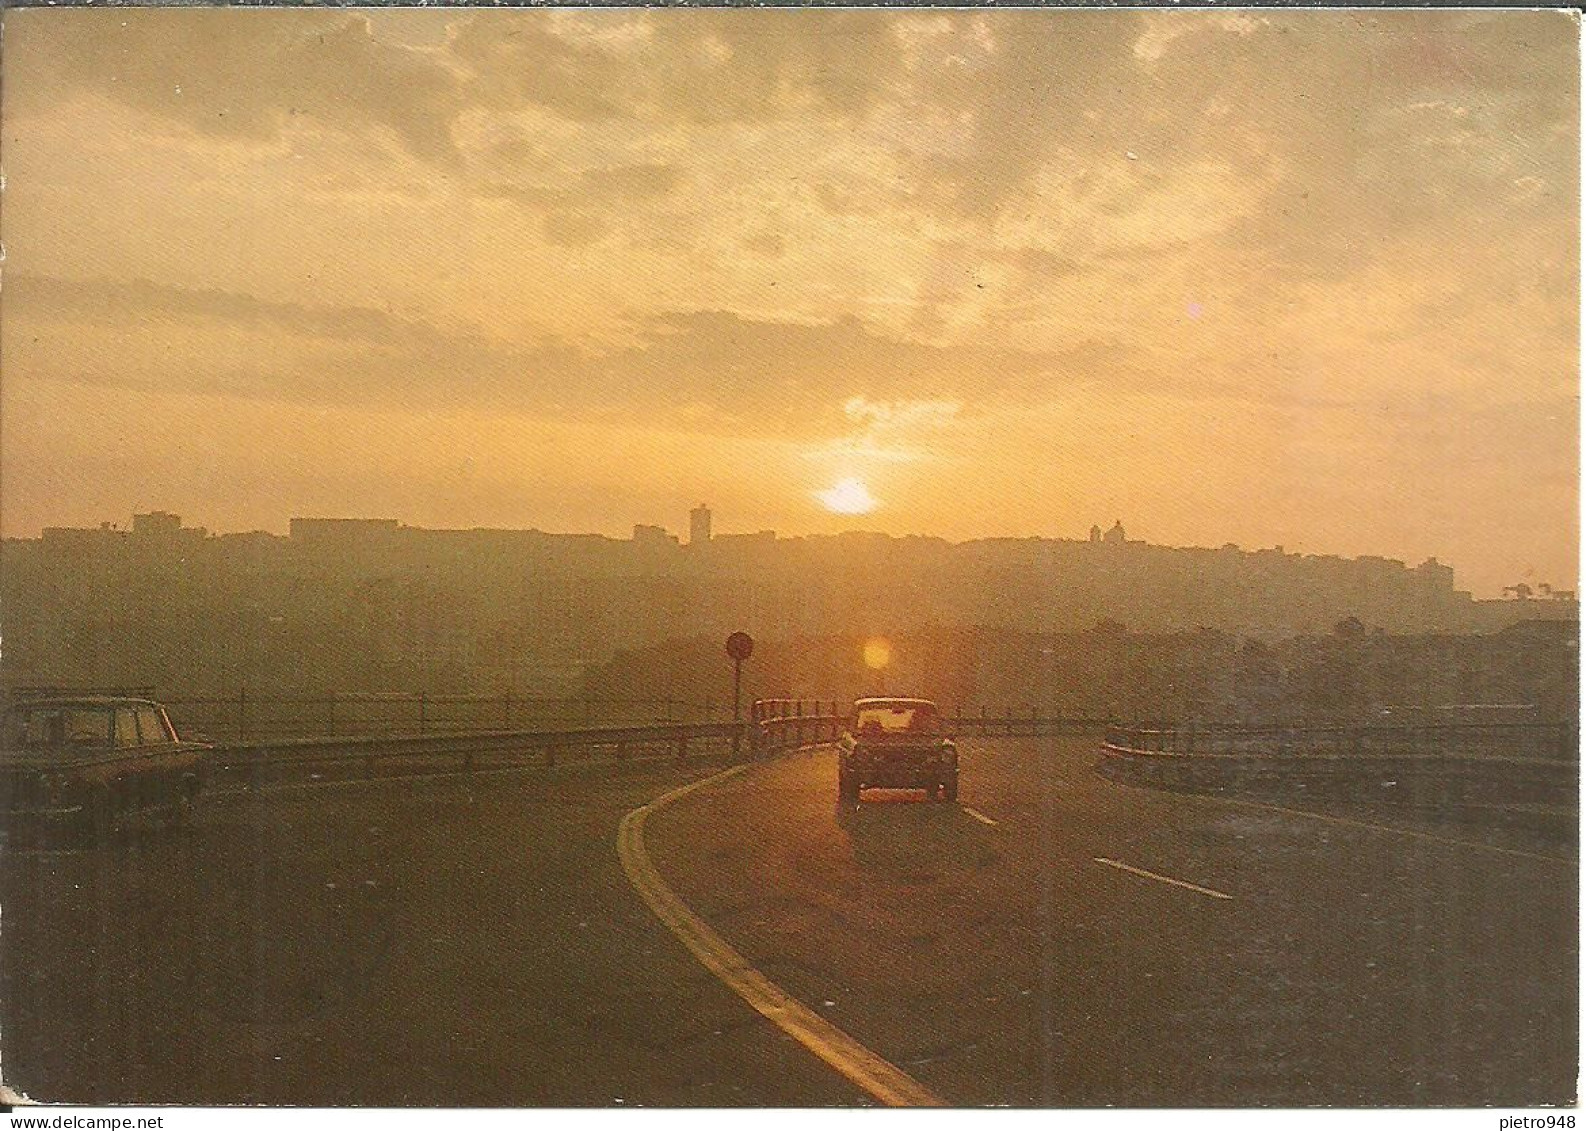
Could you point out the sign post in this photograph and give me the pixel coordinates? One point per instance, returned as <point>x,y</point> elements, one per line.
<point>740,646</point>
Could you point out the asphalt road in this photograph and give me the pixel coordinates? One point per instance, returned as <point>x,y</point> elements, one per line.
<point>1003,964</point>
<point>455,942</point>
<point>474,942</point>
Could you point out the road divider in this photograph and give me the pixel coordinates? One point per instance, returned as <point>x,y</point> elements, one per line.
<point>877,1076</point>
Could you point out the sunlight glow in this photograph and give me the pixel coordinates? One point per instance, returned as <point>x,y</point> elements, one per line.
<point>848,496</point>
<point>878,653</point>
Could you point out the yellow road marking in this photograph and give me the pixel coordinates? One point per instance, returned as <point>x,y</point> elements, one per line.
<point>1157,876</point>
<point>881,1078</point>
<point>1391,829</point>
<point>979,816</point>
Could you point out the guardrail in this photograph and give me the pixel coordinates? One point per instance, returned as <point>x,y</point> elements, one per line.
<point>251,765</point>
<point>248,717</point>
<point>783,731</point>
<point>772,725</point>
<point>1552,741</point>
<point>780,723</point>
<point>1520,774</point>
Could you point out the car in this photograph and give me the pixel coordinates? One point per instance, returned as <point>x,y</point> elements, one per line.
<point>893,743</point>
<point>89,762</point>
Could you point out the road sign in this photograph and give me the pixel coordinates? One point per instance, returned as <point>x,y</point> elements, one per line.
<point>740,646</point>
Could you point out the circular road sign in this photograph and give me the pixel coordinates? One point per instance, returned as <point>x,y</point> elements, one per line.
<point>740,645</point>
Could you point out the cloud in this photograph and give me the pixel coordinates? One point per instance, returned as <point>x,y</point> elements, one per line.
<point>800,225</point>
<point>111,304</point>
<point>573,227</point>
<point>247,74</point>
<point>240,75</point>
<point>896,431</point>
<point>582,209</point>
<point>1061,137</point>
<point>711,368</point>
<point>881,395</point>
<point>882,417</point>
<point>693,68</point>
<point>1351,173</point>
<point>1086,129</point>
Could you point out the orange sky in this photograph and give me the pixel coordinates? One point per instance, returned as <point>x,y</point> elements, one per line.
<point>1307,278</point>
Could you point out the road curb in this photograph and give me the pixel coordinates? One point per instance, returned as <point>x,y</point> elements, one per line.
<point>877,1076</point>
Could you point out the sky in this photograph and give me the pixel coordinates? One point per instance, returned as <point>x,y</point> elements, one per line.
<point>1289,278</point>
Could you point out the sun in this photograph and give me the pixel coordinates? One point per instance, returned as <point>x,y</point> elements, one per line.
<point>848,496</point>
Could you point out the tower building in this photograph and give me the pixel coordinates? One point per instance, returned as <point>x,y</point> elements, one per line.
<point>699,525</point>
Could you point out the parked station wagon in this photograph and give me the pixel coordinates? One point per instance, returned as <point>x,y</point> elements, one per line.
<point>896,744</point>
<point>88,762</point>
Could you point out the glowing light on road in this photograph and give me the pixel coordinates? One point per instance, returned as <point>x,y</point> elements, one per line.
<point>848,496</point>
<point>878,653</point>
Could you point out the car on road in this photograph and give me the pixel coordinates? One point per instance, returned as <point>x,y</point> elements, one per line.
<point>89,762</point>
<point>896,744</point>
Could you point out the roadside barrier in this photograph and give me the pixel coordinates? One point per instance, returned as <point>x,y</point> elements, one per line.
<point>1543,741</point>
<point>781,723</point>
<point>252,765</point>
<point>1437,767</point>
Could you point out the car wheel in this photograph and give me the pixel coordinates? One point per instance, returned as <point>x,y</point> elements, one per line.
<point>932,791</point>
<point>98,822</point>
<point>950,789</point>
<point>180,812</point>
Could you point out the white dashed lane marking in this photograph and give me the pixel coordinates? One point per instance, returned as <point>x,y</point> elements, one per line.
<point>1119,864</point>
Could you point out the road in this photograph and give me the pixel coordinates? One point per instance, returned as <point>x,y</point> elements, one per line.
<point>1006,964</point>
<point>1059,939</point>
<point>451,942</point>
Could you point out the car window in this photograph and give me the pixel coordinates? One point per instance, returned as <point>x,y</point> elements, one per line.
<point>35,729</point>
<point>87,728</point>
<point>887,719</point>
<point>126,729</point>
<point>152,726</point>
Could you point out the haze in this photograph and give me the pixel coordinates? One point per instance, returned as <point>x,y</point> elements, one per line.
<point>1299,278</point>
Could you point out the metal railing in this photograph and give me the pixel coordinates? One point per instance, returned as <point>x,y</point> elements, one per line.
<point>246,716</point>
<point>781,723</point>
<point>1553,741</point>
<point>254,764</point>
<point>367,736</point>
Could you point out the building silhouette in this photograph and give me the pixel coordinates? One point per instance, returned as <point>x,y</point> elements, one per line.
<point>156,524</point>
<point>653,537</point>
<point>699,525</point>
<point>375,604</point>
